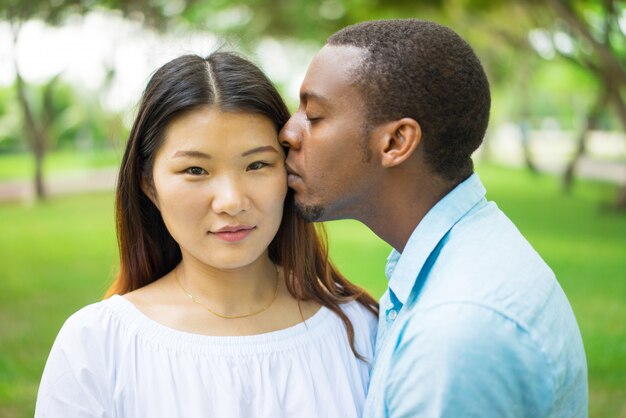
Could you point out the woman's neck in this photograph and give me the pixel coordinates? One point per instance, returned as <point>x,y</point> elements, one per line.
<point>228,292</point>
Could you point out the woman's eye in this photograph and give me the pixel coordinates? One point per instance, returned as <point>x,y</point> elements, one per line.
<point>257,165</point>
<point>195,171</point>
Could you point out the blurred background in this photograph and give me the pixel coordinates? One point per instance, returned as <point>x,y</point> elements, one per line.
<point>71,72</point>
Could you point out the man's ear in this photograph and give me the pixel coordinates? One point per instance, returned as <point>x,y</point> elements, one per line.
<point>400,139</point>
<point>147,187</point>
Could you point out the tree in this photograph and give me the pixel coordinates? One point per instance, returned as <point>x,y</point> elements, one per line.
<point>37,120</point>
<point>597,44</point>
<point>586,34</point>
<point>35,124</point>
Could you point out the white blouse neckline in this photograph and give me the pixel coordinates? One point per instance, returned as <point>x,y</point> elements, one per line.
<point>158,334</point>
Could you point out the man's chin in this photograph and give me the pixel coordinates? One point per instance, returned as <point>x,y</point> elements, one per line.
<point>310,213</point>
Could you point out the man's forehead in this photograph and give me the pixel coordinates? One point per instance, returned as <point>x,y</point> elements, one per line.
<point>341,59</point>
<point>350,52</point>
<point>331,70</point>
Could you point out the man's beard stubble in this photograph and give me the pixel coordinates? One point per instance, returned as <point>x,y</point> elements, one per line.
<point>310,213</point>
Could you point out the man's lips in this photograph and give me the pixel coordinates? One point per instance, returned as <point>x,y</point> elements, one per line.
<point>292,175</point>
<point>233,233</point>
<point>290,169</point>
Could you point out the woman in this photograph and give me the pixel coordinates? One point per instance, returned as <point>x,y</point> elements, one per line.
<point>226,304</point>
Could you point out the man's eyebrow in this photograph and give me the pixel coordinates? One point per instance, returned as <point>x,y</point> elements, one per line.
<point>192,154</point>
<point>309,95</point>
<point>260,149</point>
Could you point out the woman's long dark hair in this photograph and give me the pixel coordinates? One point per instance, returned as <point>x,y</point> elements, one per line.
<point>147,250</point>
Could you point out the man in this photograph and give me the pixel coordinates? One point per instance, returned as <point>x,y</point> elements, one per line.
<point>474,323</point>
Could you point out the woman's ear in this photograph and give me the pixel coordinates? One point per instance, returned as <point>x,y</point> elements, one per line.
<point>400,139</point>
<point>147,186</point>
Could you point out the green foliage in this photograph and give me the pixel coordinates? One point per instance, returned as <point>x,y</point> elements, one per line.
<point>77,119</point>
<point>553,94</point>
<point>50,11</point>
<point>81,123</point>
<point>560,90</point>
<point>10,121</point>
<point>504,48</point>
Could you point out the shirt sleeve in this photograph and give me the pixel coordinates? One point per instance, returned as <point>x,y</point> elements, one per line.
<point>75,381</point>
<point>465,360</point>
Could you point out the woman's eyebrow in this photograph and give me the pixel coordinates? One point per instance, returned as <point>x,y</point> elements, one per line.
<point>259,149</point>
<point>194,154</point>
<point>198,154</point>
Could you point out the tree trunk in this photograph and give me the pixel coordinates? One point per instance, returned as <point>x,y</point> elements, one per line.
<point>40,189</point>
<point>524,124</point>
<point>36,137</point>
<point>36,132</point>
<point>568,175</point>
<point>591,123</point>
<point>529,162</point>
<point>620,202</point>
<point>620,107</point>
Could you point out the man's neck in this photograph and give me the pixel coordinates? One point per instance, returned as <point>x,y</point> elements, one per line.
<point>400,208</point>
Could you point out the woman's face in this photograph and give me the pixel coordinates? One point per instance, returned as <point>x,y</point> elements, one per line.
<point>220,183</point>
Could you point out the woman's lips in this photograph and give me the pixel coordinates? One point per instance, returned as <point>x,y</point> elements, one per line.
<point>230,234</point>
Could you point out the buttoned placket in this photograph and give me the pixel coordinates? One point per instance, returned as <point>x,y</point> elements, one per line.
<point>390,310</point>
<point>393,308</point>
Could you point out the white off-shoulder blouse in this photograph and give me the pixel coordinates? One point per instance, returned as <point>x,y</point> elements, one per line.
<point>110,360</point>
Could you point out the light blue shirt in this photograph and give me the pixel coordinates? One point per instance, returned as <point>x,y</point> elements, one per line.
<point>474,323</point>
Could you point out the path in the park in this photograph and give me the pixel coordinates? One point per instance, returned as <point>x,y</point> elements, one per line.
<point>76,182</point>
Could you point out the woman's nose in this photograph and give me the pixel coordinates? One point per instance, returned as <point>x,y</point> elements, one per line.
<point>229,197</point>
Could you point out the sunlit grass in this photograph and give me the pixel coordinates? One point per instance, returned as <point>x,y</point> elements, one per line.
<point>59,255</point>
<point>55,257</point>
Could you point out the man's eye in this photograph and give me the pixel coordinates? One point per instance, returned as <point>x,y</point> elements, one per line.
<point>195,171</point>
<point>257,165</point>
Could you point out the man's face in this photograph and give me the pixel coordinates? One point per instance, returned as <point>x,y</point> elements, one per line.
<point>328,162</point>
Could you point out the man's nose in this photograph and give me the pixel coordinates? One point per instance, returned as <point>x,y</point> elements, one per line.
<point>291,134</point>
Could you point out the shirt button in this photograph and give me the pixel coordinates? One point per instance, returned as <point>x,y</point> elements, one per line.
<point>392,314</point>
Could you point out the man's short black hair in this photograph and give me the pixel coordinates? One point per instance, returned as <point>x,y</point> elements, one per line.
<point>425,71</point>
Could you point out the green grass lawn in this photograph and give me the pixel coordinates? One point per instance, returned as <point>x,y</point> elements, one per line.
<point>59,255</point>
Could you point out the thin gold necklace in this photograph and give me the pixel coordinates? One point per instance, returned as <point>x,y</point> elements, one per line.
<point>194,300</point>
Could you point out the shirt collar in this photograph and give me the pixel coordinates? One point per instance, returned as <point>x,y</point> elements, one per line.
<point>403,268</point>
